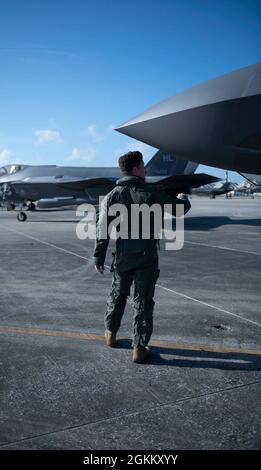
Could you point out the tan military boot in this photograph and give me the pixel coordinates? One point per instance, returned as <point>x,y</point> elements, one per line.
<point>110,338</point>
<point>140,354</point>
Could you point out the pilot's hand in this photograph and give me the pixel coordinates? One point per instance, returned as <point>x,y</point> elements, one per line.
<point>99,269</point>
<point>182,196</point>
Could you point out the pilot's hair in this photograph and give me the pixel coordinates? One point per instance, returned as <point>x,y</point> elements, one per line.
<point>128,161</point>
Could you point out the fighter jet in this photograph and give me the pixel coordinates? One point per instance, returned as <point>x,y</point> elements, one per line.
<point>216,123</point>
<point>214,189</point>
<point>32,183</point>
<point>251,186</point>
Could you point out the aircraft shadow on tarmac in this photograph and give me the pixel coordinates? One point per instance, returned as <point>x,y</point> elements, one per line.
<point>191,223</point>
<point>57,209</point>
<point>42,212</point>
<point>212,222</point>
<point>56,221</point>
<point>198,359</point>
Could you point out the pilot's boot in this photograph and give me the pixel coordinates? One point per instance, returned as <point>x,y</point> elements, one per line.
<point>110,338</point>
<point>140,354</point>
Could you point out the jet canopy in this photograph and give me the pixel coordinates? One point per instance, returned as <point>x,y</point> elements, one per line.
<point>11,169</point>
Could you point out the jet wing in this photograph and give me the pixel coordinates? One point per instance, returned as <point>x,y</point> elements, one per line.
<point>215,123</point>
<point>82,184</point>
<point>185,183</point>
<point>66,182</point>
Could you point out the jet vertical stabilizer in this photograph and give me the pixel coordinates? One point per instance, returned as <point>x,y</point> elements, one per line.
<point>168,164</point>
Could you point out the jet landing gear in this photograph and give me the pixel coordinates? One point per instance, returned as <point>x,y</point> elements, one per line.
<point>21,216</point>
<point>28,206</point>
<point>31,206</point>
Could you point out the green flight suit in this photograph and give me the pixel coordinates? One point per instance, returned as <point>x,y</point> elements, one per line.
<point>136,260</point>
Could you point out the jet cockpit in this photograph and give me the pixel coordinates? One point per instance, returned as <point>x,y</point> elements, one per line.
<point>11,169</point>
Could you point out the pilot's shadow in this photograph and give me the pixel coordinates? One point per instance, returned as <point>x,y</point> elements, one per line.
<point>198,359</point>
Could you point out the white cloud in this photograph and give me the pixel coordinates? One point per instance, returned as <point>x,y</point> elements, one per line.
<point>43,136</point>
<point>5,157</point>
<point>82,155</point>
<point>92,132</point>
<point>98,136</point>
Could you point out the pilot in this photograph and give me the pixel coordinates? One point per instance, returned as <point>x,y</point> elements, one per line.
<point>135,260</point>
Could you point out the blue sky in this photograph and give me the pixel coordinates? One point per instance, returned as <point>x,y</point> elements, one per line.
<point>71,71</point>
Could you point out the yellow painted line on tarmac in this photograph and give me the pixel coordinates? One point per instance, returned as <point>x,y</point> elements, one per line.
<point>44,332</point>
<point>155,342</point>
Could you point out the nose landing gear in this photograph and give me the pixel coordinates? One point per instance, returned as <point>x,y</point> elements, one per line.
<point>21,216</point>
<point>28,206</point>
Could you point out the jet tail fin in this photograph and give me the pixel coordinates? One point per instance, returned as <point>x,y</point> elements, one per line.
<point>254,179</point>
<point>168,164</point>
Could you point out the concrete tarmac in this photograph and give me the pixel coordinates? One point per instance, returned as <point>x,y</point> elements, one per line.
<point>62,388</point>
